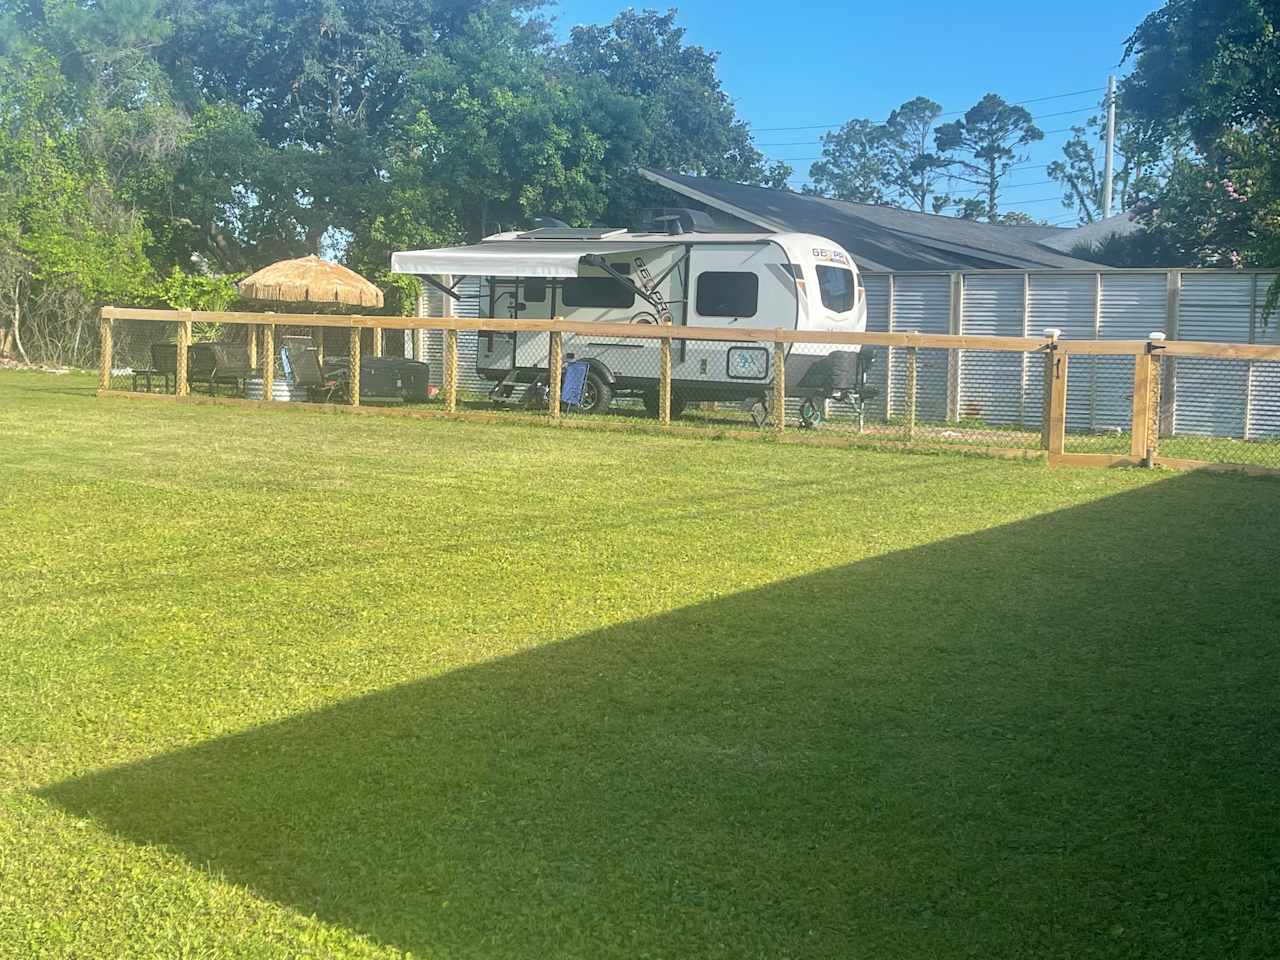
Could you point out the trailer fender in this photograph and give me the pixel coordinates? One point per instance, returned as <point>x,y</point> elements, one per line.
<point>600,369</point>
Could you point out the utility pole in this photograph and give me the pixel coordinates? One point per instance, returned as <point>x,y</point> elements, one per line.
<point>1108,165</point>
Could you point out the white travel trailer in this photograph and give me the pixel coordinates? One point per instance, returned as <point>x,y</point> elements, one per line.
<point>791,281</point>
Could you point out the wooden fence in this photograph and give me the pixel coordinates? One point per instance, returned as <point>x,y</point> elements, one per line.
<point>1056,353</point>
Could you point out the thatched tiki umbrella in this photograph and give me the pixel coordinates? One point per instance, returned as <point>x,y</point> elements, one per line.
<point>312,280</point>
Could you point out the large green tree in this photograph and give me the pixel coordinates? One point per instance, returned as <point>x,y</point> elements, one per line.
<point>856,164</point>
<point>915,168</point>
<point>170,139</point>
<point>66,241</point>
<point>1208,71</point>
<point>689,122</point>
<point>984,145</point>
<point>888,163</point>
<point>1141,165</point>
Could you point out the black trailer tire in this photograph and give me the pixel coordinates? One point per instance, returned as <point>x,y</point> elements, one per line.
<point>651,404</point>
<point>596,394</point>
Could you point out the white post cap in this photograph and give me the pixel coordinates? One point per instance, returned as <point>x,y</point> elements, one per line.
<point>1156,336</point>
<point>1052,333</point>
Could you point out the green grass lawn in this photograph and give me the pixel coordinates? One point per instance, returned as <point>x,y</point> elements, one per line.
<point>283,684</point>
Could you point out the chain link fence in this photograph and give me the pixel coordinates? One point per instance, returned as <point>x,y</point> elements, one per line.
<point>1195,402</point>
<point>1218,410</point>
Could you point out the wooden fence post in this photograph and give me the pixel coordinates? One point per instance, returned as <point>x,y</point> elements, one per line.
<point>664,382</point>
<point>377,341</point>
<point>1046,384</point>
<point>955,357</point>
<point>555,366</point>
<point>268,361</point>
<point>252,340</point>
<point>1058,403</point>
<point>181,387</point>
<point>450,371</point>
<point>104,350</point>
<point>1140,420</point>
<point>779,384</point>
<point>353,367</point>
<point>1155,419</point>
<point>912,381</point>
<point>1172,322</point>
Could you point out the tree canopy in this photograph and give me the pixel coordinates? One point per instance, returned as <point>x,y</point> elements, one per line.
<point>144,137</point>
<point>986,143</point>
<point>1206,78</point>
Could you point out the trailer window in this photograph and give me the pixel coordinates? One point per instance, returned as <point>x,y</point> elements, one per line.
<point>535,291</point>
<point>837,288</point>
<point>597,292</point>
<point>722,293</point>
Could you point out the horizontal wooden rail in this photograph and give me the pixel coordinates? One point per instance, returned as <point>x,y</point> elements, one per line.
<point>343,320</point>
<point>630,331</point>
<point>641,331</point>
<point>1222,351</point>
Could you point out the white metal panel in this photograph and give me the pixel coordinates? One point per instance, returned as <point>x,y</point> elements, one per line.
<point>1068,302</point>
<point>991,382</point>
<point>877,288</point>
<point>474,303</point>
<point>1210,395</point>
<point>1133,305</point>
<point>1064,301</point>
<point>1130,307</point>
<point>922,303</point>
<point>1264,377</point>
<point>1215,306</point>
<point>1264,401</point>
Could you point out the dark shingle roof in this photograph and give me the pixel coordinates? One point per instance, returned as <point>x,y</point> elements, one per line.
<point>882,238</point>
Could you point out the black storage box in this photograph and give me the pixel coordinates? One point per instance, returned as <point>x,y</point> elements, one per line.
<point>392,379</point>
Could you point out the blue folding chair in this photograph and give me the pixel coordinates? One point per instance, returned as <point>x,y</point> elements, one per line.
<point>572,382</point>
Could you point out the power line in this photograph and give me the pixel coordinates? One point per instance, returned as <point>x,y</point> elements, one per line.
<point>950,113</point>
<point>1045,116</point>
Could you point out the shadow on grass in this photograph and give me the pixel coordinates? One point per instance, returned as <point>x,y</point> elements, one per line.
<point>1053,738</point>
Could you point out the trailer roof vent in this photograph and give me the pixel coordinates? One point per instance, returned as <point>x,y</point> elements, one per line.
<point>676,220</point>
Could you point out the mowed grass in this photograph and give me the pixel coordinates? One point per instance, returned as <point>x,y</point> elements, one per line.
<point>284,684</point>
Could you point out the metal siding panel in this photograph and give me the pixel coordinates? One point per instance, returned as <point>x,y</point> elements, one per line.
<point>1215,306</point>
<point>1210,394</point>
<point>991,388</point>
<point>1067,302</point>
<point>1264,405</point>
<point>1210,397</point>
<point>432,304</point>
<point>1133,305</point>
<point>1264,377</point>
<point>922,303</point>
<point>877,288</point>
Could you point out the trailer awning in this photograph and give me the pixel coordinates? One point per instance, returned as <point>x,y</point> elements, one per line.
<point>516,258</point>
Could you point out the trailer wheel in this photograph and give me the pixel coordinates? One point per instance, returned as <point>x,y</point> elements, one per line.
<point>596,395</point>
<point>651,404</point>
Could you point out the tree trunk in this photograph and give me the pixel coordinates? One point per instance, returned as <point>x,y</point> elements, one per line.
<point>17,318</point>
<point>992,184</point>
<point>315,235</point>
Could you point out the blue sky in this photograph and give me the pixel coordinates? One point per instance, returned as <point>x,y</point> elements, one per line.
<point>791,66</point>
